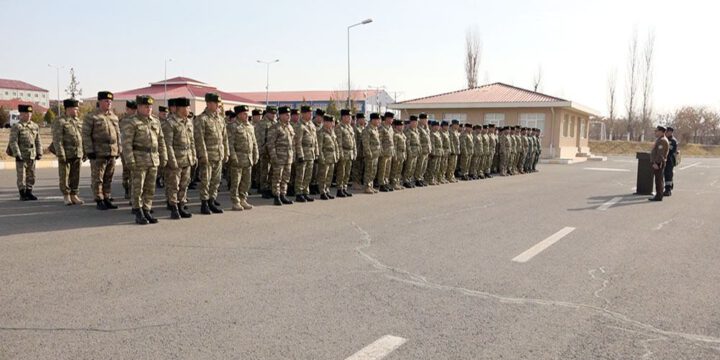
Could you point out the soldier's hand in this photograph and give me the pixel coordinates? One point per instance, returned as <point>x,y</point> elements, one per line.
<point>61,159</point>
<point>17,158</point>
<point>91,156</point>
<point>225,159</point>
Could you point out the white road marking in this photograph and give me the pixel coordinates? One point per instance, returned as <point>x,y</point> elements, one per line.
<point>626,161</point>
<point>689,166</point>
<point>378,349</point>
<point>539,247</point>
<point>606,169</point>
<point>609,203</point>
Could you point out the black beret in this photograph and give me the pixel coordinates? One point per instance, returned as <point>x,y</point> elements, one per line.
<point>468,125</point>
<point>171,102</point>
<point>484,126</point>
<point>475,127</point>
<point>423,116</point>
<point>162,109</point>
<point>434,123</point>
<point>328,118</point>
<point>70,103</point>
<point>344,112</point>
<point>397,122</point>
<point>144,100</point>
<point>407,122</point>
<point>25,108</point>
<point>669,128</point>
<point>661,128</point>
<point>212,97</point>
<point>241,108</point>
<point>305,109</point>
<point>229,113</point>
<point>105,95</point>
<point>182,101</point>
<point>256,112</point>
<point>455,122</point>
<point>271,109</point>
<point>444,123</point>
<point>294,111</point>
<point>491,126</point>
<point>283,110</point>
<point>319,112</point>
<point>374,116</point>
<point>413,118</point>
<point>131,104</point>
<point>389,115</point>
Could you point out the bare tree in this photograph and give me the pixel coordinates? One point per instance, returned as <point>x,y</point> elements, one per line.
<point>632,83</point>
<point>612,100</point>
<point>537,80</point>
<point>647,81</point>
<point>473,49</point>
<point>73,88</point>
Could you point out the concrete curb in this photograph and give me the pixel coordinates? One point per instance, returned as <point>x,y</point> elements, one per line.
<point>42,164</point>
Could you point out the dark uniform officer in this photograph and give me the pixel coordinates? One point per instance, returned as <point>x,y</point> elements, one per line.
<point>658,157</point>
<point>671,161</point>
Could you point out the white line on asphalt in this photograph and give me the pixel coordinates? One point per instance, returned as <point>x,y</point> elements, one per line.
<point>609,203</point>
<point>378,349</point>
<point>606,169</point>
<point>689,166</point>
<point>24,214</point>
<point>539,247</point>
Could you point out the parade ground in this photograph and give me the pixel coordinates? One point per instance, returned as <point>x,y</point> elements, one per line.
<point>561,264</point>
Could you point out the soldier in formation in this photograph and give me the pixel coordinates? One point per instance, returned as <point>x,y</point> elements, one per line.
<point>67,146</point>
<point>26,147</point>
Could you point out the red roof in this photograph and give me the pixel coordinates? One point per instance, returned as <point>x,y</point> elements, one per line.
<point>491,93</point>
<point>18,85</point>
<point>316,95</point>
<point>12,104</point>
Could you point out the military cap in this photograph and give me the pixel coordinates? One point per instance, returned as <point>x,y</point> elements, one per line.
<point>661,128</point>
<point>105,95</point>
<point>374,116</point>
<point>212,97</point>
<point>407,122</point>
<point>423,116</point>
<point>25,108</point>
<point>283,110</point>
<point>294,111</point>
<point>305,109</point>
<point>468,125</point>
<point>413,118</point>
<point>241,108</point>
<point>271,109</point>
<point>182,101</point>
<point>344,112</point>
<point>70,103</point>
<point>328,118</point>
<point>144,100</point>
<point>264,112</point>
<point>669,128</point>
<point>131,104</point>
<point>319,112</point>
<point>256,112</point>
<point>171,102</point>
<point>517,127</point>
<point>444,123</point>
<point>162,109</point>
<point>229,113</point>
<point>389,115</point>
<point>397,122</point>
<point>455,122</point>
<point>434,123</point>
<point>360,116</point>
<point>491,126</point>
<point>485,126</point>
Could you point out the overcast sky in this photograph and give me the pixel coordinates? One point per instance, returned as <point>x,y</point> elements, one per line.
<point>413,48</point>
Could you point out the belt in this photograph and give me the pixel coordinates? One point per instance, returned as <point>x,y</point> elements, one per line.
<point>142,148</point>
<point>186,147</point>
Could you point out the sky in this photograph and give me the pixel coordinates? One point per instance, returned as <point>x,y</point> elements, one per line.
<point>412,48</point>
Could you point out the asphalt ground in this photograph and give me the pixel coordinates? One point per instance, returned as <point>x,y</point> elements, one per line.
<point>610,276</point>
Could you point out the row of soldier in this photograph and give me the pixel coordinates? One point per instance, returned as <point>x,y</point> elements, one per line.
<point>300,153</point>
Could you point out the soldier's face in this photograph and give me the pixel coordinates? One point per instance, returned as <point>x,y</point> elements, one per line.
<point>306,116</point>
<point>243,116</point>
<point>183,111</point>
<point>105,105</point>
<point>162,115</point>
<point>375,122</point>
<point>295,117</point>
<point>25,116</point>
<point>361,122</point>
<point>271,116</point>
<point>285,118</point>
<point>346,119</point>
<point>144,110</point>
<point>212,106</point>
<point>73,111</point>
<point>413,124</point>
<point>130,111</point>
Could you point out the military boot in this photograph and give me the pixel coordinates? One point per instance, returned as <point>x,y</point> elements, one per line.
<point>182,209</point>
<point>329,196</point>
<point>384,188</point>
<point>237,207</point>
<point>277,201</point>
<point>245,204</point>
<point>139,217</point>
<point>347,193</point>
<point>22,195</point>
<point>148,216</point>
<point>300,198</point>
<point>340,193</point>
<point>67,200</point>
<point>324,196</point>
<point>204,208</point>
<point>214,206</point>
<point>285,200</point>
<point>101,205</point>
<point>76,199</point>
<point>308,198</point>
<point>109,204</point>
<point>29,195</point>
<point>174,212</point>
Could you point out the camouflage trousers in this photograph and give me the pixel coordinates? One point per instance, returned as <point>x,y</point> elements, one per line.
<point>495,162</point>
<point>356,174</point>
<point>520,161</point>
<point>450,167</point>
<point>125,174</point>
<point>383,171</point>
<point>411,164</point>
<point>476,164</point>
<point>442,167</point>
<point>240,179</point>
<point>143,187</point>
<point>465,164</point>
<point>324,177</point>
<point>421,167</point>
<point>69,176</point>
<point>25,171</point>
<point>263,180</point>
<point>489,162</point>
<point>396,170</point>
<point>371,166</point>
<point>102,172</point>
<point>434,169</point>
<point>528,161</point>
<point>503,163</point>
<point>536,159</point>
<point>342,173</point>
<point>176,184</point>
<point>210,176</point>
<point>280,178</point>
<point>303,176</point>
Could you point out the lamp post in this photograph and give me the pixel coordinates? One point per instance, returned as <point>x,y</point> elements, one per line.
<point>57,68</point>
<point>364,22</point>
<point>267,77</point>
<point>167,60</point>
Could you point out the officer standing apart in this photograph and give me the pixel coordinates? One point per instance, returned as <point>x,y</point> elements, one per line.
<point>671,161</point>
<point>180,144</point>
<point>67,143</point>
<point>144,149</point>
<point>101,144</point>
<point>658,157</point>
<point>306,151</point>
<point>26,147</point>
<point>346,140</point>
<point>243,155</point>
<point>211,146</point>
<point>280,149</point>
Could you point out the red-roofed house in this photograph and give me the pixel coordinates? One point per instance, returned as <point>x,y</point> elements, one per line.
<point>564,123</point>
<point>366,101</point>
<point>16,89</point>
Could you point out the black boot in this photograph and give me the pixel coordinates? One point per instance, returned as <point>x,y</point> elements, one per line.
<point>384,188</point>
<point>204,208</point>
<point>390,188</point>
<point>22,195</point>
<point>285,200</point>
<point>174,212</point>
<point>140,217</point>
<point>214,206</point>
<point>324,196</point>
<point>300,199</point>
<point>667,192</point>
<point>329,196</point>
<point>109,204</point>
<point>29,195</point>
<point>148,216</point>
<point>101,205</point>
<point>340,193</point>
<point>314,190</point>
<point>308,198</point>
<point>267,194</point>
<point>278,202</point>
<point>182,209</point>
<point>347,193</point>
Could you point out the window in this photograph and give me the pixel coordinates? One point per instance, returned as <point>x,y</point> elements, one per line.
<point>533,120</point>
<point>458,116</point>
<point>582,129</point>
<point>572,127</point>
<point>495,118</point>
<point>36,95</point>
<point>566,123</point>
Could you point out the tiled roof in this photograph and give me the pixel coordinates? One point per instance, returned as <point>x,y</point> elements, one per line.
<point>313,95</point>
<point>19,85</point>
<point>12,104</point>
<point>491,93</point>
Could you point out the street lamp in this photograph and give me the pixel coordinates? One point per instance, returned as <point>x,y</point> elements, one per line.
<point>167,60</point>
<point>57,68</point>
<point>364,22</point>
<point>267,78</point>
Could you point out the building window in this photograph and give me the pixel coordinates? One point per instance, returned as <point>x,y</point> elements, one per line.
<point>571,131</point>
<point>458,116</point>
<point>495,118</point>
<point>582,129</point>
<point>566,123</point>
<point>36,95</point>
<point>533,120</point>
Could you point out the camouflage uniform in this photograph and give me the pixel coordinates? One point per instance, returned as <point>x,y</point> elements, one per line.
<point>181,152</point>
<point>467,152</point>
<point>244,154</point>
<point>454,138</point>
<point>348,150</point>
<point>101,138</point>
<point>67,140</point>
<point>398,160</point>
<point>421,169</point>
<point>538,152</point>
<point>372,148</point>
<point>505,152</point>
<point>124,121</point>
<point>442,168</point>
<point>356,175</point>
<point>436,157</point>
<point>211,147</point>
<point>280,150</point>
<point>388,151</point>
<point>25,144</point>
<point>306,149</point>
<point>494,153</point>
<point>329,155</point>
<point>413,151</point>
<point>144,150</point>
<point>262,130</point>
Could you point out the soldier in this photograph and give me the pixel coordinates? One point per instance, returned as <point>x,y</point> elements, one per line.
<point>538,149</point>
<point>162,116</point>
<point>211,147</point>
<point>372,148</point>
<point>413,150</point>
<point>243,155</point>
<point>467,151</point>
<point>101,144</point>
<point>279,145</point>
<point>329,155</point>
<point>442,169</point>
<point>524,148</point>
<point>399,156</point>
<point>388,151</point>
<point>425,149</point>
<point>130,111</point>
<point>476,162</point>
<point>67,143</point>
<point>172,109</point>
<point>494,148</point>
<point>306,152</point>
<point>294,117</point>
<point>671,161</point>
<point>512,151</point>
<point>658,158</point>
<point>181,153</point>
<point>356,174</point>
<point>488,149</point>
<point>25,145</point>
<point>262,129</point>
<point>530,152</point>
<point>348,150</point>
<point>454,137</point>
<point>437,154</point>
<point>318,120</point>
<point>256,116</point>
<point>505,148</point>
<point>144,149</point>
<point>294,122</point>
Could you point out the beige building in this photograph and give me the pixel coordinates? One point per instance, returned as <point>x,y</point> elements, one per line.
<point>564,123</point>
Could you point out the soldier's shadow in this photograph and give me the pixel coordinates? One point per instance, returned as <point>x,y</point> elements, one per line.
<point>594,202</point>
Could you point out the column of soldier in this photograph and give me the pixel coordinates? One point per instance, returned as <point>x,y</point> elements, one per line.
<point>282,151</point>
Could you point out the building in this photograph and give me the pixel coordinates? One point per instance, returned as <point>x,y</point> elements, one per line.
<point>564,123</point>
<point>366,101</point>
<point>16,89</point>
<point>180,87</point>
<point>11,106</point>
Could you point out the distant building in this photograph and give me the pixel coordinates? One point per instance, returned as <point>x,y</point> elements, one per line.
<point>16,89</point>
<point>11,106</point>
<point>564,123</point>
<point>366,101</point>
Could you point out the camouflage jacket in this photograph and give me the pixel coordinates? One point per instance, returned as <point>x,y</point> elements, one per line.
<point>67,138</point>
<point>437,143</point>
<point>400,142</point>
<point>262,130</point>
<point>329,147</point>
<point>454,137</point>
<point>101,134</point>
<point>243,145</point>
<point>211,141</point>
<point>25,140</point>
<point>144,142</point>
<point>386,140</point>
<point>358,141</point>
<point>445,136</point>
<point>180,142</point>
<point>467,146</point>
<point>493,142</point>
<point>371,142</point>
<point>478,148</point>
<point>346,139</point>
<point>412,142</point>
<point>280,144</point>
<point>425,141</point>
<point>306,142</point>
